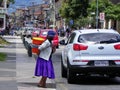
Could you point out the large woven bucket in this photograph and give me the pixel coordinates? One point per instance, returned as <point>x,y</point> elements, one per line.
<point>37,41</point>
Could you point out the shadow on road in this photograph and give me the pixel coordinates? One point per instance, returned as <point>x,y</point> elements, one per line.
<point>96,80</point>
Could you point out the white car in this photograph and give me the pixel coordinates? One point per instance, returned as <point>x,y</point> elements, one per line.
<point>91,51</point>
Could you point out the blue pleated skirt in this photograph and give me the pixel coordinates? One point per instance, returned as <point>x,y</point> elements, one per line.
<point>44,68</point>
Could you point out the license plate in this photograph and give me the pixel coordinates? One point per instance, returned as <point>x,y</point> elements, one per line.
<point>101,63</point>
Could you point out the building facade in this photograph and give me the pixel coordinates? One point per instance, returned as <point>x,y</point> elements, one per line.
<point>3,12</point>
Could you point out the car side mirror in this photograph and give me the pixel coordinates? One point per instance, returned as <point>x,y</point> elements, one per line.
<point>62,42</point>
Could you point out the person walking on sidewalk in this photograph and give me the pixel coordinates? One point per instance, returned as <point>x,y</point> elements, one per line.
<point>44,66</point>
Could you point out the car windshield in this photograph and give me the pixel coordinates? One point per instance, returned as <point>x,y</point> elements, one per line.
<point>44,33</point>
<point>99,38</point>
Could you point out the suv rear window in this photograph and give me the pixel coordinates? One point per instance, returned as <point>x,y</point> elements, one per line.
<point>99,38</point>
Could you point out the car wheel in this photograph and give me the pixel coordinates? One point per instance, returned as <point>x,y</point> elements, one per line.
<point>70,76</point>
<point>23,40</point>
<point>26,45</point>
<point>63,69</point>
<point>29,51</point>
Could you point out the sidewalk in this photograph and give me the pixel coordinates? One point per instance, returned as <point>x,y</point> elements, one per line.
<point>17,72</point>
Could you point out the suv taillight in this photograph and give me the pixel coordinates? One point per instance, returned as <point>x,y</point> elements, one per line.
<point>117,46</point>
<point>78,47</point>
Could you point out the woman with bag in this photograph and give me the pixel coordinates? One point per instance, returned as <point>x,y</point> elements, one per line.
<point>44,66</point>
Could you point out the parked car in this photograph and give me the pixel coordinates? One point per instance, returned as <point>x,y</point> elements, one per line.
<point>41,37</point>
<point>43,34</point>
<point>35,32</point>
<point>91,51</point>
<point>18,32</point>
<point>23,31</point>
<point>29,31</point>
<point>26,31</point>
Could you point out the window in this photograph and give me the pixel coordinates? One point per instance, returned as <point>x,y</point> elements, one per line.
<point>71,38</point>
<point>99,37</point>
<point>1,22</point>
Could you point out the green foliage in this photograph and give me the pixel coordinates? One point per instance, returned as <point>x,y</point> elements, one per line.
<point>82,22</point>
<point>12,1</point>
<point>72,9</point>
<point>8,1</point>
<point>2,56</point>
<point>111,11</point>
<point>3,42</point>
<point>102,5</point>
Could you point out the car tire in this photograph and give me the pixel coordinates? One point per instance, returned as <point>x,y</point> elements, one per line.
<point>26,44</point>
<point>29,51</point>
<point>63,69</point>
<point>23,40</point>
<point>70,76</point>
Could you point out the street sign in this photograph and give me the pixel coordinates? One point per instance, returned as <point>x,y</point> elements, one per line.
<point>102,16</point>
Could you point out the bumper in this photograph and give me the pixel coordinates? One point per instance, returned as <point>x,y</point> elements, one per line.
<point>94,69</point>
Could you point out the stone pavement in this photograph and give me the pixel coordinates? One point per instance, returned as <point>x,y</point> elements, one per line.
<point>17,72</point>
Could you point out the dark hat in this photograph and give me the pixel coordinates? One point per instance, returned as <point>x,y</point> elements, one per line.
<point>51,33</point>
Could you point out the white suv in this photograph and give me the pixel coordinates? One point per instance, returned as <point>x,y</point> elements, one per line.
<point>91,51</point>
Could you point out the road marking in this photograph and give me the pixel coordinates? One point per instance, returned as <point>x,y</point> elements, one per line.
<point>7,78</point>
<point>14,70</point>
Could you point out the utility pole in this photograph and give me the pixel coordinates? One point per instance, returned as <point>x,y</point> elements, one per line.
<point>97,14</point>
<point>33,11</point>
<point>4,11</point>
<point>53,12</point>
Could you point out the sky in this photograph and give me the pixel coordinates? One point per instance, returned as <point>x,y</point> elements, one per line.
<point>26,2</point>
<point>22,3</point>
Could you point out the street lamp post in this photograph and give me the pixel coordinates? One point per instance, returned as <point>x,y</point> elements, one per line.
<point>5,7</point>
<point>54,22</point>
<point>97,14</point>
<point>53,12</point>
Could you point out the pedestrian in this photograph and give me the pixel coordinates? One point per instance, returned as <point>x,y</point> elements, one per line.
<point>67,32</point>
<point>44,66</point>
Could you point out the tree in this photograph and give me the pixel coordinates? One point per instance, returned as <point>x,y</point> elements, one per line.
<point>74,9</point>
<point>102,6</point>
<point>113,12</point>
<point>8,2</point>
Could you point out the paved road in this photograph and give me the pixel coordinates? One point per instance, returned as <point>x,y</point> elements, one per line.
<point>17,72</point>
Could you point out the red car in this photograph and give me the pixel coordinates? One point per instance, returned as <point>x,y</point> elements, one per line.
<point>43,34</point>
<point>35,32</point>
